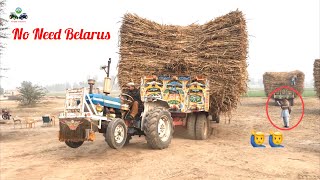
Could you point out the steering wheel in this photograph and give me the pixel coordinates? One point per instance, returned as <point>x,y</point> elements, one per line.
<point>126,98</point>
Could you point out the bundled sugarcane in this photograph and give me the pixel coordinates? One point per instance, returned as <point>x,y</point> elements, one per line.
<point>274,80</point>
<point>216,50</point>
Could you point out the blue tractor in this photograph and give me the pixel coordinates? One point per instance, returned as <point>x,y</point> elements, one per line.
<point>88,111</point>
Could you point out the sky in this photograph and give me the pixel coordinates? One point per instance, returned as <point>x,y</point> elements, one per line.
<point>283,35</point>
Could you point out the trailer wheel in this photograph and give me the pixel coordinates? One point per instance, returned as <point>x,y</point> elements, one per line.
<point>158,128</point>
<point>291,101</point>
<point>202,127</point>
<point>216,118</point>
<point>116,133</point>
<point>74,144</point>
<point>191,125</point>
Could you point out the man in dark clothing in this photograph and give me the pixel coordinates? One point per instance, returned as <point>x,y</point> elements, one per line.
<point>135,94</point>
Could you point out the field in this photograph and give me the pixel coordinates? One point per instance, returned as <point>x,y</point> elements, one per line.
<point>308,92</point>
<point>254,92</point>
<point>37,154</point>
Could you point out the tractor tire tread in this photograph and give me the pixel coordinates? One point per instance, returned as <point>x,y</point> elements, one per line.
<point>150,128</point>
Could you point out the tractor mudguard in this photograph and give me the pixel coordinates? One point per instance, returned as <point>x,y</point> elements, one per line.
<point>150,105</point>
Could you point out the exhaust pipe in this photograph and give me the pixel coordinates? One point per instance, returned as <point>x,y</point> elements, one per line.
<point>91,82</point>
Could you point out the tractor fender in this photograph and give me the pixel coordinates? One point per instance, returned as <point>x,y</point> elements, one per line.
<point>150,105</point>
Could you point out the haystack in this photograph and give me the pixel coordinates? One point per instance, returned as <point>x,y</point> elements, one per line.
<point>216,50</point>
<point>316,76</point>
<point>274,80</point>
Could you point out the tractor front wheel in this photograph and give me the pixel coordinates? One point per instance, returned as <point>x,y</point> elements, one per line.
<point>73,144</point>
<point>116,133</point>
<point>158,128</point>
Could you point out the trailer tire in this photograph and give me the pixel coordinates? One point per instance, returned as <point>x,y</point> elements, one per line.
<point>291,101</point>
<point>116,133</point>
<point>216,118</point>
<point>202,127</point>
<point>74,144</point>
<point>191,125</point>
<point>158,128</point>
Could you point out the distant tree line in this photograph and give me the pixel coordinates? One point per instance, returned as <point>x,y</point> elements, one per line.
<point>63,86</point>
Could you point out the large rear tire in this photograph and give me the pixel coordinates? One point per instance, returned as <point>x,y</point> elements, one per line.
<point>158,127</point>
<point>191,126</point>
<point>202,127</point>
<point>73,144</point>
<point>116,133</point>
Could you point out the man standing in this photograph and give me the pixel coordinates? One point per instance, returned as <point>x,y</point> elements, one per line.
<point>285,112</point>
<point>135,94</point>
<point>293,80</point>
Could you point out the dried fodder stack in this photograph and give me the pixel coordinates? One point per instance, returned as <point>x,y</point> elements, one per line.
<point>316,76</point>
<point>216,50</point>
<point>274,80</point>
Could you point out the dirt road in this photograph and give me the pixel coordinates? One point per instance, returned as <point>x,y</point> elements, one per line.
<point>37,153</point>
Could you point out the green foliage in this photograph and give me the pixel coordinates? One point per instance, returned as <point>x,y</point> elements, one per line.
<point>30,94</point>
<point>309,93</point>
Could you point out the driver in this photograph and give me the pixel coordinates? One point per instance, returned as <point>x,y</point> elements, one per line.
<point>135,94</point>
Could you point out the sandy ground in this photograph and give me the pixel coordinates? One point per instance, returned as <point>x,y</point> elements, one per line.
<point>37,154</point>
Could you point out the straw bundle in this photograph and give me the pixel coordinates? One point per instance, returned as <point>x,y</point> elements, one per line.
<point>216,50</point>
<point>273,80</point>
<point>316,76</point>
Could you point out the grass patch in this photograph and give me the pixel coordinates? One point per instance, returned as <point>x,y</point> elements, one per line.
<point>308,92</point>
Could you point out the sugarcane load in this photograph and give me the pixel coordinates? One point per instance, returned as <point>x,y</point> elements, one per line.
<point>169,76</point>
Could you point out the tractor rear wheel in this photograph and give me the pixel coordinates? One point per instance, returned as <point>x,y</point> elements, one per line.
<point>116,134</point>
<point>191,125</point>
<point>202,127</point>
<point>73,144</point>
<point>158,128</point>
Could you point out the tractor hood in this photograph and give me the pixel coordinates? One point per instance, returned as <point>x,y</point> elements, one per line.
<point>103,100</point>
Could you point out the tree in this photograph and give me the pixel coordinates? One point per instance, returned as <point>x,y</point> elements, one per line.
<point>3,34</point>
<point>30,94</point>
<point>1,90</point>
<point>3,28</point>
